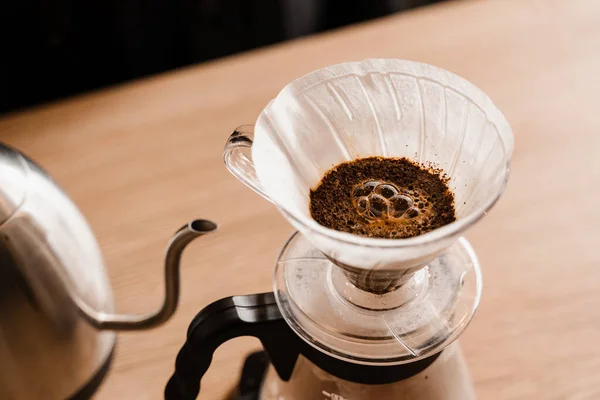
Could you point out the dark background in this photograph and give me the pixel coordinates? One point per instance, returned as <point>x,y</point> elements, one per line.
<point>56,48</point>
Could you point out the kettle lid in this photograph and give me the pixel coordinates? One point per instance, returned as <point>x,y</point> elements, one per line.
<point>13,181</point>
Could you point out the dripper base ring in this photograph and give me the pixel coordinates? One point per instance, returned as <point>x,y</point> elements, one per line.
<point>421,318</point>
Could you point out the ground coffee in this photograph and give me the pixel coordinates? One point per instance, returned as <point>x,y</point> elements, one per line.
<point>383,198</point>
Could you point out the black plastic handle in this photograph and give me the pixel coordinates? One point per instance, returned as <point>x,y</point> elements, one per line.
<point>253,315</point>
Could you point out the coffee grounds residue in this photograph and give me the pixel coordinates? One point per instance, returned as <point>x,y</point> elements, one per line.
<point>383,198</point>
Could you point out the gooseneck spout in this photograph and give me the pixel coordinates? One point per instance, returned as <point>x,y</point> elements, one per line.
<point>127,322</point>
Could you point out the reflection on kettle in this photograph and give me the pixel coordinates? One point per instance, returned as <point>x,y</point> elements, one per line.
<point>57,320</point>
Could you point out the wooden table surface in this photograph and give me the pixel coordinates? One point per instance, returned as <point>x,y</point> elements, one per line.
<point>142,159</point>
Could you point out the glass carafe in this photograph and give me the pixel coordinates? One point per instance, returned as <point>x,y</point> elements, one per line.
<point>446,378</point>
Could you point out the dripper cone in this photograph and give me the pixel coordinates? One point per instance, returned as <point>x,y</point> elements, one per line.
<point>390,108</point>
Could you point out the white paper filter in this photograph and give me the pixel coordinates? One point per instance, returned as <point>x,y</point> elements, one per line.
<point>393,108</point>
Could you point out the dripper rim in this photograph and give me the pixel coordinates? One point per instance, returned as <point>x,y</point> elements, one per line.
<point>370,65</point>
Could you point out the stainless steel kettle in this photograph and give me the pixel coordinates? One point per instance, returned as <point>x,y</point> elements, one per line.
<point>57,322</point>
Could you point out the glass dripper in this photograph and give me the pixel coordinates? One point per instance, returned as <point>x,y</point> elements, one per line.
<point>376,301</point>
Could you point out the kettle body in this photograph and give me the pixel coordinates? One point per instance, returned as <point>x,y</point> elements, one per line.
<point>47,350</point>
<point>57,320</point>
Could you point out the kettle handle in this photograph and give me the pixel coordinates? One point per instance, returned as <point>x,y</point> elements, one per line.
<point>251,315</point>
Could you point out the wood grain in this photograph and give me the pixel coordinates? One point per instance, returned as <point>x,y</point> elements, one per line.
<point>142,159</point>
